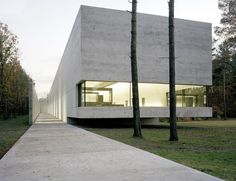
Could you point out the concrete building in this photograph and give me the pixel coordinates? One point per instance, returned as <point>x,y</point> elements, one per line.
<point>93,78</point>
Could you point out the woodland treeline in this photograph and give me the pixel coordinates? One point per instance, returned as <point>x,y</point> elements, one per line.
<point>222,95</point>
<point>13,79</point>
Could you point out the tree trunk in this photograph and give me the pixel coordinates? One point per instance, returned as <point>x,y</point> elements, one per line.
<point>173,129</point>
<point>134,71</point>
<point>224,94</point>
<point>5,110</point>
<point>1,88</point>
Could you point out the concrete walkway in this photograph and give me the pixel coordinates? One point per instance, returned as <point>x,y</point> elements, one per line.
<point>61,152</point>
<point>45,118</point>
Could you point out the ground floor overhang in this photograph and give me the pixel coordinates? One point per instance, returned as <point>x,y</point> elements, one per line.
<point>145,112</point>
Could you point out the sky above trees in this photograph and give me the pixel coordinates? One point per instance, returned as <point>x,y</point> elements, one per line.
<point>43,27</point>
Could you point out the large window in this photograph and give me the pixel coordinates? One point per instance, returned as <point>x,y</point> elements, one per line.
<point>94,93</point>
<point>105,93</point>
<point>190,96</point>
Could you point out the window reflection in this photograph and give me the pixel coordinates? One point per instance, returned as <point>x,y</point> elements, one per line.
<point>190,96</point>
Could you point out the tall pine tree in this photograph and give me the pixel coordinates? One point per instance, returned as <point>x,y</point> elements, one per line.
<point>173,127</point>
<point>134,72</point>
<point>224,76</point>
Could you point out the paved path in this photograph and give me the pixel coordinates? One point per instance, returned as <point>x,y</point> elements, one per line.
<point>61,152</point>
<point>44,118</point>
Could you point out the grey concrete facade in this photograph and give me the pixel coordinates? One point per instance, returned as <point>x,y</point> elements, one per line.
<point>98,50</point>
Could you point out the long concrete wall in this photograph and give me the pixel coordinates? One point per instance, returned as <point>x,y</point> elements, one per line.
<point>61,97</point>
<point>34,105</point>
<point>99,49</point>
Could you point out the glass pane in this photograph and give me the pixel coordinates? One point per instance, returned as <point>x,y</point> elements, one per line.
<point>106,93</point>
<point>95,93</point>
<point>190,96</point>
<point>153,95</point>
<point>121,94</point>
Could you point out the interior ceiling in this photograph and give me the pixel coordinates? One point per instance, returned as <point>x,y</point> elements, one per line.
<point>95,85</point>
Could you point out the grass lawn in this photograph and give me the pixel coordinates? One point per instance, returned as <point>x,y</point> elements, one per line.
<point>10,131</point>
<point>208,146</point>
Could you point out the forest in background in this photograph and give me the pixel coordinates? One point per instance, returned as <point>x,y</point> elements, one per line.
<point>222,94</point>
<point>14,80</point>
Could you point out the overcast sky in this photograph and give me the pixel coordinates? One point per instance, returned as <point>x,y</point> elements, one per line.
<point>43,27</point>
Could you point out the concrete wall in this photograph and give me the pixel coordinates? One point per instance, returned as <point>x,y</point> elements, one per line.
<point>61,98</point>
<point>34,106</point>
<point>145,112</point>
<point>99,49</point>
<point>43,105</point>
<point>106,48</point>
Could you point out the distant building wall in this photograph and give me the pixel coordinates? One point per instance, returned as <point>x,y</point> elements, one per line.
<point>34,106</point>
<point>43,105</point>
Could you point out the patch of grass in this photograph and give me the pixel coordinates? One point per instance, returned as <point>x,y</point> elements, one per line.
<point>208,146</point>
<point>10,131</point>
<point>210,123</point>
